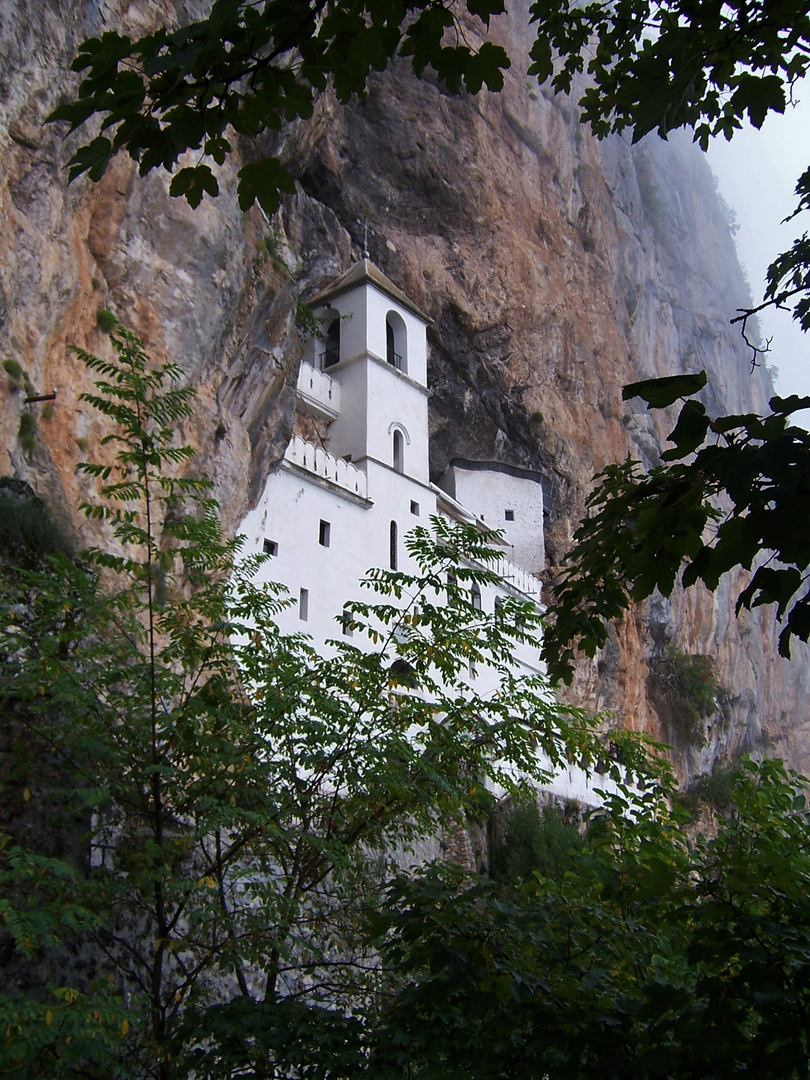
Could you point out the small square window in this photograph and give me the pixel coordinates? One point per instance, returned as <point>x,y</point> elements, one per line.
<point>346,623</point>
<point>325,534</point>
<point>509,515</point>
<point>303,604</point>
<point>414,508</point>
<point>270,547</point>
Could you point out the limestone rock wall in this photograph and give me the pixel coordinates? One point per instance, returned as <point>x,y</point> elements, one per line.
<point>555,269</point>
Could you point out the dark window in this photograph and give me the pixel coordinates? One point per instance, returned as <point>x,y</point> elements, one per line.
<point>399,453</point>
<point>331,355</point>
<point>476,596</point>
<point>452,587</point>
<point>395,341</point>
<point>346,623</point>
<point>414,508</point>
<point>510,515</point>
<point>401,673</point>
<point>303,604</point>
<point>324,534</point>
<point>270,547</point>
<point>499,602</point>
<point>392,546</point>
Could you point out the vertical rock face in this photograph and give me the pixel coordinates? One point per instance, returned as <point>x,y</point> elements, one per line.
<point>555,269</point>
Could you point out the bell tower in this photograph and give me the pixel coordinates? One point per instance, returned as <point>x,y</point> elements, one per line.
<point>374,343</point>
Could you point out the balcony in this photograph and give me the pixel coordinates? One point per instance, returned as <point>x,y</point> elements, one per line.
<point>319,392</point>
<point>329,357</point>
<point>323,466</point>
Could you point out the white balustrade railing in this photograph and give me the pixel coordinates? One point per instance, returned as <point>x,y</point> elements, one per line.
<point>315,460</point>
<point>319,389</point>
<point>517,577</point>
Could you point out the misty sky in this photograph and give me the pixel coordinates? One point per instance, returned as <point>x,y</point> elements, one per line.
<point>757,173</point>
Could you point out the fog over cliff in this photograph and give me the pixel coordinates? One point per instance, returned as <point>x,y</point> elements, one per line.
<point>555,269</point>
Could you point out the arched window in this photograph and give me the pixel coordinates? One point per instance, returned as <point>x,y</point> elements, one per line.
<point>476,596</point>
<point>331,355</point>
<point>396,341</point>
<point>399,451</point>
<point>392,546</point>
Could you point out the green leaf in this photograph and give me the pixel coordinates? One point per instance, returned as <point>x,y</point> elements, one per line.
<point>658,393</point>
<point>264,181</point>
<point>193,182</point>
<point>689,432</point>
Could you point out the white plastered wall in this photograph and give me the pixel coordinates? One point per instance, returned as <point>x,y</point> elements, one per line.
<point>489,495</point>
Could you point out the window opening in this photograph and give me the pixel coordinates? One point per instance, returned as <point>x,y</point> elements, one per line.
<point>270,547</point>
<point>509,515</point>
<point>392,544</point>
<point>331,354</point>
<point>394,358</point>
<point>499,602</point>
<point>325,534</point>
<point>346,623</point>
<point>476,596</point>
<point>414,508</point>
<point>399,452</point>
<point>303,604</point>
<point>396,341</point>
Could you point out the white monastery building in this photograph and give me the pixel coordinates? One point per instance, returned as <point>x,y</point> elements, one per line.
<point>346,495</point>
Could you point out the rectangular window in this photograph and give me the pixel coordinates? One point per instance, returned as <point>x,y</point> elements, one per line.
<point>270,547</point>
<point>392,545</point>
<point>324,534</point>
<point>414,508</point>
<point>303,604</point>
<point>509,514</point>
<point>346,622</point>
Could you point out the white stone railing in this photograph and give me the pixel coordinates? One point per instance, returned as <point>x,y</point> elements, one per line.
<point>319,390</point>
<point>517,577</point>
<point>315,460</point>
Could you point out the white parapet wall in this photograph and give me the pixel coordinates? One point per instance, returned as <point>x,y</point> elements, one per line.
<point>319,391</point>
<point>317,461</point>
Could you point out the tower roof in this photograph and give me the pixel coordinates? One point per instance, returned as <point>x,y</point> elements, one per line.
<point>365,272</point>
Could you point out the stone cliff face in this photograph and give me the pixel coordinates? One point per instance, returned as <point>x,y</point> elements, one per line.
<point>555,269</point>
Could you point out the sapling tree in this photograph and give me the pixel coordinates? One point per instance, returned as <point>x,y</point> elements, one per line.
<point>241,795</point>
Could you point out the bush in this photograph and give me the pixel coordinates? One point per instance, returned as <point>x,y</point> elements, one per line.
<point>27,530</point>
<point>684,691</point>
<point>533,839</point>
<point>28,431</point>
<point>714,789</point>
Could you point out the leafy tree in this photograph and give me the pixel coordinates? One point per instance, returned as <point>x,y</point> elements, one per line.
<point>650,959</point>
<point>740,500</point>
<point>241,796</point>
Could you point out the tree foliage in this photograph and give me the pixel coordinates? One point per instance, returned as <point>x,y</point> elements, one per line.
<point>218,83</point>
<point>732,492</point>
<point>652,958</point>
<point>241,796</point>
<point>248,67</point>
